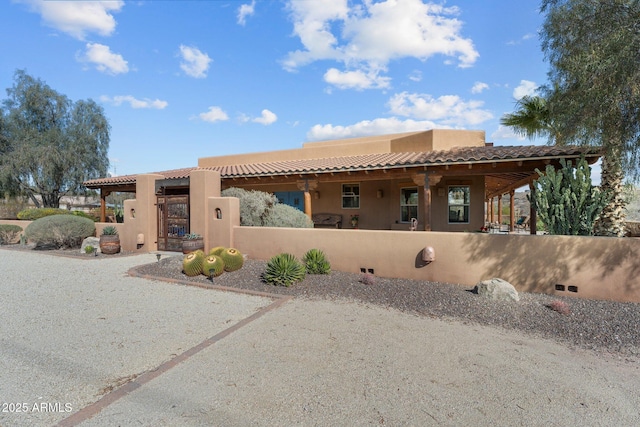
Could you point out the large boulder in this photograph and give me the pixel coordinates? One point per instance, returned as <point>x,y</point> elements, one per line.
<point>497,289</point>
<point>90,241</point>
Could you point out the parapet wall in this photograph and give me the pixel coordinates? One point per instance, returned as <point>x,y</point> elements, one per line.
<point>585,267</point>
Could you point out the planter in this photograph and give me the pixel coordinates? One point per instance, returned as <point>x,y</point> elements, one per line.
<point>191,245</point>
<point>109,244</point>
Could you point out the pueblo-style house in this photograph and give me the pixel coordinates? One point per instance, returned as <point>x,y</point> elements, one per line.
<point>435,180</point>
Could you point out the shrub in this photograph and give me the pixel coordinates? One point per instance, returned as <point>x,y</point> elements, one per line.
<point>8,233</point>
<point>260,209</point>
<point>254,205</point>
<point>36,213</point>
<point>283,270</point>
<point>82,214</point>
<point>88,249</point>
<point>281,215</point>
<point>60,231</point>
<point>316,262</point>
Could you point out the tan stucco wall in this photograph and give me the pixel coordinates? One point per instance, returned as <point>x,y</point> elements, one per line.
<point>600,267</point>
<point>203,184</point>
<point>141,217</point>
<point>435,139</point>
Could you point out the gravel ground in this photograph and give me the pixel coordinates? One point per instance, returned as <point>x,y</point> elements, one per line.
<point>603,326</point>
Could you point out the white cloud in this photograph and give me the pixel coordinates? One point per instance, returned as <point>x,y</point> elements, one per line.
<point>77,18</point>
<point>194,62</point>
<point>133,102</point>
<point>505,132</point>
<point>416,76</point>
<point>103,59</point>
<point>478,87</point>
<point>370,35</point>
<point>266,118</point>
<point>525,88</point>
<point>358,79</point>
<point>447,110</point>
<point>214,114</point>
<point>246,10</point>
<point>378,126</point>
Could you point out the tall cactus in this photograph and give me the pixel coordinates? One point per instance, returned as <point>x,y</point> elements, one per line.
<point>566,201</point>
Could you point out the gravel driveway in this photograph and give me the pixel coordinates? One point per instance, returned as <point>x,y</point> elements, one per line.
<point>73,331</point>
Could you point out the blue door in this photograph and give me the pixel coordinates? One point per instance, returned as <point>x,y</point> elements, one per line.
<point>291,198</point>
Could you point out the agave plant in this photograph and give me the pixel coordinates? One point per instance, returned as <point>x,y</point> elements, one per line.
<point>283,270</point>
<point>109,230</point>
<point>316,262</point>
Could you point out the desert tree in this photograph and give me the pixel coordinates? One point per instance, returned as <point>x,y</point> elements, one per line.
<point>593,94</point>
<point>50,145</point>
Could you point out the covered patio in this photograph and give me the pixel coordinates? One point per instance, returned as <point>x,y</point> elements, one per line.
<point>493,171</point>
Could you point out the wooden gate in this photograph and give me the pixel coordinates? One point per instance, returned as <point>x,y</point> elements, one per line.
<point>173,222</point>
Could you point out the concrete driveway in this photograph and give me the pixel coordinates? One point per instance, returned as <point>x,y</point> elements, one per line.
<point>81,343</point>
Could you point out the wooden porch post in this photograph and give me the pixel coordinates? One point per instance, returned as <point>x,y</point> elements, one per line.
<point>487,215</point>
<point>426,181</point>
<point>307,186</point>
<point>500,210</point>
<point>512,214</point>
<point>491,213</point>
<point>533,218</point>
<point>103,204</point>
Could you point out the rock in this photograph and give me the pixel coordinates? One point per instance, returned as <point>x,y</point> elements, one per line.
<point>497,289</point>
<point>90,241</point>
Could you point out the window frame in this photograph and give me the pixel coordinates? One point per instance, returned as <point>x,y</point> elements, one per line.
<point>464,204</point>
<point>403,204</point>
<point>355,197</point>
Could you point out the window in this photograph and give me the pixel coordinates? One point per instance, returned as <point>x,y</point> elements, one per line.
<point>408,204</point>
<point>351,196</point>
<point>459,204</point>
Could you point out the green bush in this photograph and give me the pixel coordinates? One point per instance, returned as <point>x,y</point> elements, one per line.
<point>283,270</point>
<point>36,213</point>
<point>316,262</point>
<point>8,233</point>
<point>60,231</point>
<point>260,209</point>
<point>82,214</point>
<point>282,215</point>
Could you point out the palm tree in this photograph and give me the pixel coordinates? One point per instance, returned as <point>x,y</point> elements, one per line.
<point>532,120</point>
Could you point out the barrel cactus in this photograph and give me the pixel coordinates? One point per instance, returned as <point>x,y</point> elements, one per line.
<point>217,250</point>
<point>212,264</point>
<point>232,258</point>
<point>192,263</point>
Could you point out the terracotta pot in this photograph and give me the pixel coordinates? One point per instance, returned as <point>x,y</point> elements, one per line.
<point>109,244</point>
<point>191,245</point>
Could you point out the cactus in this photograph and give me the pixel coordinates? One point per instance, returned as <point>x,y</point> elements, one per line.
<point>212,263</point>
<point>566,201</point>
<point>217,250</point>
<point>232,258</point>
<point>192,263</point>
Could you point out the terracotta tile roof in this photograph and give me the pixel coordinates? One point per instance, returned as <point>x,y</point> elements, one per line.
<point>462,155</point>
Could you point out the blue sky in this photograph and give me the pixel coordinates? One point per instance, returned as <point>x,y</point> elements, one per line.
<point>180,80</point>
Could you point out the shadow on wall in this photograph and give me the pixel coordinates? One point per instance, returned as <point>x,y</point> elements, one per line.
<point>537,263</point>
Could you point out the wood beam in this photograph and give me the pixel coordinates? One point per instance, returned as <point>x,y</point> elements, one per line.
<point>512,214</point>
<point>533,217</point>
